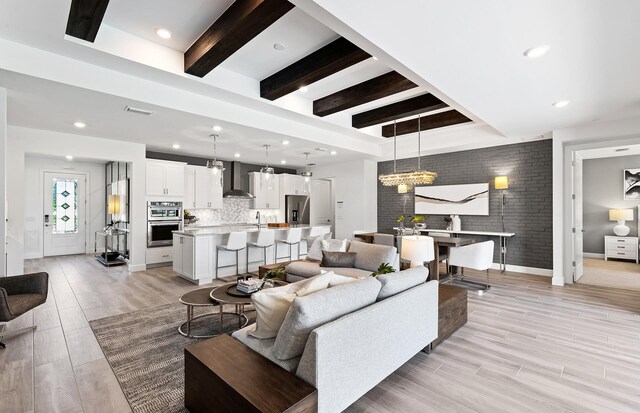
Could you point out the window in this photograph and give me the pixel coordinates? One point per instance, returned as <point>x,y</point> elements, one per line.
<point>65,206</point>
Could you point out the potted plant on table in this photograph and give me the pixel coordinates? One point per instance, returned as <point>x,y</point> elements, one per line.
<point>384,268</point>
<point>277,273</point>
<point>418,223</point>
<point>400,220</point>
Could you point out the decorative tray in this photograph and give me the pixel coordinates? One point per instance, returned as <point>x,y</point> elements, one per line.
<point>232,290</point>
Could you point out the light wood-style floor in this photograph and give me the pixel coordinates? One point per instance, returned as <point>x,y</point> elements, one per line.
<point>611,273</point>
<point>528,347</point>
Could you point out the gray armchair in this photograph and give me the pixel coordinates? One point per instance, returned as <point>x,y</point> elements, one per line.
<point>19,294</point>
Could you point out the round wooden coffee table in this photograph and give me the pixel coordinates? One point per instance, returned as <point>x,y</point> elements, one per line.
<point>227,294</point>
<point>196,298</point>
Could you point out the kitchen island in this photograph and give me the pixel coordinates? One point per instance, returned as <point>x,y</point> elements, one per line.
<point>194,250</point>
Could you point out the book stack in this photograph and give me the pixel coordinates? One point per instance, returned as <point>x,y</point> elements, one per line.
<point>249,286</point>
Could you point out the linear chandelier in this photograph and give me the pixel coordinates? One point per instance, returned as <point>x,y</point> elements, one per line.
<point>403,179</point>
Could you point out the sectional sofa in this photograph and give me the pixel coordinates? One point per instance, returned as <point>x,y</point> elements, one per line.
<point>345,339</point>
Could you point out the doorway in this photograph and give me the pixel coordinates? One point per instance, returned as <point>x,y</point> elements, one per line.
<point>605,216</point>
<point>64,213</point>
<point>322,203</point>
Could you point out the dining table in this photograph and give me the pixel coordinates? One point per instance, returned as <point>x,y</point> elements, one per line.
<point>434,266</point>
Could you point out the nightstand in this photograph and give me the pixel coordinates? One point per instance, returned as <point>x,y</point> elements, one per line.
<point>625,248</point>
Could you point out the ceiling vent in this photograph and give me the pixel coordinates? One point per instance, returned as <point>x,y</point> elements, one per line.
<point>319,149</point>
<point>138,111</point>
<point>621,149</point>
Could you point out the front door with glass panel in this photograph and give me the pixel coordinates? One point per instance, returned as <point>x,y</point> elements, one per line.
<point>64,214</point>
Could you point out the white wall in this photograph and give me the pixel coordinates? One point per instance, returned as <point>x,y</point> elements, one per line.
<point>3,181</point>
<point>596,135</point>
<point>25,141</point>
<point>356,192</point>
<point>34,169</point>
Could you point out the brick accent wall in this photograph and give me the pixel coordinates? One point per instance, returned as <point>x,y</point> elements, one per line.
<point>528,212</point>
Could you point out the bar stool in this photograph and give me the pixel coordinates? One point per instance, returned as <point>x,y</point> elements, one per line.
<point>266,239</point>
<point>294,236</point>
<point>314,232</point>
<point>236,242</point>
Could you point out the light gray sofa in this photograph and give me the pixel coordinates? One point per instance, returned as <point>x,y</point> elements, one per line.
<point>368,259</point>
<point>365,330</point>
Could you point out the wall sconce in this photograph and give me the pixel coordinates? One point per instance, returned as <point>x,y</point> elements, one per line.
<point>403,188</point>
<point>502,183</point>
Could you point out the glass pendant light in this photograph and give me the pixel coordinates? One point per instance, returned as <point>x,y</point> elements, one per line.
<point>266,172</point>
<point>307,174</point>
<point>215,165</point>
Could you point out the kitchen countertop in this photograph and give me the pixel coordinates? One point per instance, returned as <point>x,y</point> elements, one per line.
<point>226,229</point>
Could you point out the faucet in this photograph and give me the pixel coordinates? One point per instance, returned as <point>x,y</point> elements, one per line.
<point>258,218</point>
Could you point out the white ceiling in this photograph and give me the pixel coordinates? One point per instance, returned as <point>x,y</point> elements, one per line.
<point>41,104</point>
<point>186,23</point>
<point>467,53</point>
<point>472,51</point>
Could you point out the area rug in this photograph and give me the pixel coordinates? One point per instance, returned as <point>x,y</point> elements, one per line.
<point>146,352</point>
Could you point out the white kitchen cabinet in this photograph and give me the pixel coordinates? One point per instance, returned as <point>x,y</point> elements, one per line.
<point>189,187</point>
<point>193,257</point>
<point>207,189</point>
<point>293,185</point>
<point>264,198</point>
<point>164,178</point>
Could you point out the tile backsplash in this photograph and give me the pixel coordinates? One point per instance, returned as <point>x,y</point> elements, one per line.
<point>235,211</point>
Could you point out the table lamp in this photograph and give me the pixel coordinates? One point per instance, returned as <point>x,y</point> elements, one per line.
<point>621,215</point>
<point>418,249</point>
<point>113,207</point>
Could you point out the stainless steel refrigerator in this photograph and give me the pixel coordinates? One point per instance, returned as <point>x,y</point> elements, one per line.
<point>297,209</point>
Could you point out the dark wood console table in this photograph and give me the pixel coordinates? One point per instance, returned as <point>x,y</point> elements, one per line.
<point>224,375</point>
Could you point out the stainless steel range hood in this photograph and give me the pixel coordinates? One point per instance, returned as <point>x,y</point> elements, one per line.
<point>236,183</point>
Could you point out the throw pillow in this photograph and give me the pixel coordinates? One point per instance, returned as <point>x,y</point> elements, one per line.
<point>339,245</point>
<point>271,307</point>
<point>338,259</point>
<point>314,310</point>
<point>397,282</point>
<point>314,253</point>
<point>317,283</point>
<point>338,279</point>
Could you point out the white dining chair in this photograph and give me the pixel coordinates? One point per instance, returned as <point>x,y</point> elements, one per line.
<point>236,242</point>
<point>266,239</point>
<point>478,256</point>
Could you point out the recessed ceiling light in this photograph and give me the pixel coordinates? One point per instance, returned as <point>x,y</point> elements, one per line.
<point>69,157</point>
<point>285,142</point>
<point>333,152</point>
<point>561,103</point>
<point>374,58</point>
<point>279,46</point>
<point>283,161</point>
<point>79,125</point>
<point>217,128</point>
<point>536,51</point>
<point>304,89</point>
<point>175,146</point>
<point>164,33</point>
<point>237,155</point>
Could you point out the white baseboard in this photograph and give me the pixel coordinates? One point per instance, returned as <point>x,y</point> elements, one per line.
<point>525,270</point>
<point>139,267</point>
<point>593,255</point>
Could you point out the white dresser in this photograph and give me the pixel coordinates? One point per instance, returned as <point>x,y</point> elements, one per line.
<point>625,248</point>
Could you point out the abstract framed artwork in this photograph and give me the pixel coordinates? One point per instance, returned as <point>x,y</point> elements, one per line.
<point>631,183</point>
<point>469,199</point>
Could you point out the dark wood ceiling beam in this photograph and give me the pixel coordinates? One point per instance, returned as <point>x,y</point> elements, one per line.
<point>240,23</point>
<point>405,108</point>
<point>85,17</point>
<point>385,85</point>
<point>330,59</point>
<point>435,121</point>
